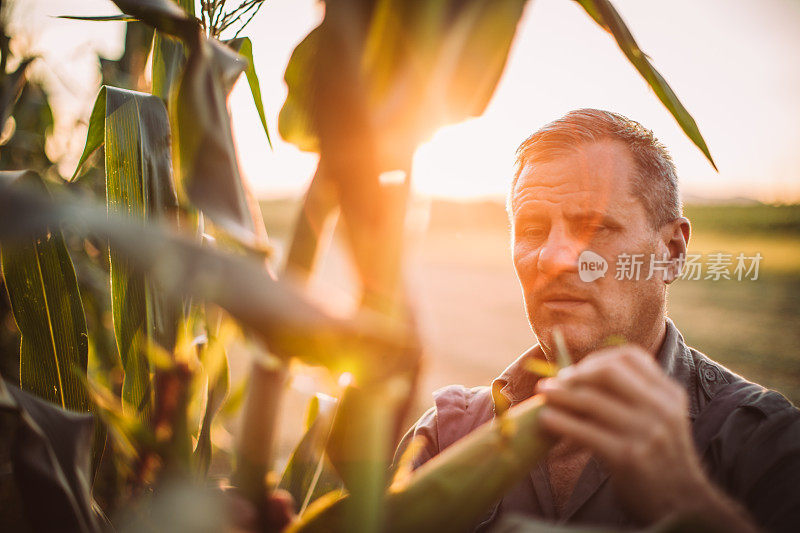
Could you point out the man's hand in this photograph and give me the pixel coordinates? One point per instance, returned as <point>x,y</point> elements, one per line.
<point>619,403</point>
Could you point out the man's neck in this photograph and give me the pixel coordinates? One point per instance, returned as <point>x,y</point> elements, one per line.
<point>657,338</point>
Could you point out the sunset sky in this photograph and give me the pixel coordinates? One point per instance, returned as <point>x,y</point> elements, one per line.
<point>735,64</point>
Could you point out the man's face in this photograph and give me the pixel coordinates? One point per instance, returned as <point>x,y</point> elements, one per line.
<point>582,200</point>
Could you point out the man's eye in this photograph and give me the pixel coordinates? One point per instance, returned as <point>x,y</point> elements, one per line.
<point>594,227</point>
<point>534,232</point>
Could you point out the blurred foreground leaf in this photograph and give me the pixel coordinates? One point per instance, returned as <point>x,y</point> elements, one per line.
<point>360,448</point>
<point>277,311</point>
<point>425,65</point>
<point>416,66</point>
<point>46,454</point>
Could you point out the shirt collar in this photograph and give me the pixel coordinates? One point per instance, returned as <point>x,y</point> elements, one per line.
<point>517,383</point>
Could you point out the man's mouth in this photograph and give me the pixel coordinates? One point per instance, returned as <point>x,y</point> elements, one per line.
<point>563,302</point>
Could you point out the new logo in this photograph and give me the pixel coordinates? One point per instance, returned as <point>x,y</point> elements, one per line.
<point>591,266</point>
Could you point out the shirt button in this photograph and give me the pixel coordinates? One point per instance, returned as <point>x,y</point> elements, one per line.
<point>709,374</point>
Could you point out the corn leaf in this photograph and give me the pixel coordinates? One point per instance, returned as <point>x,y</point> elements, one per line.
<point>168,59</point>
<point>95,135</point>
<point>43,291</point>
<point>11,86</point>
<point>608,18</point>
<point>169,55</point>
<point>206,167</point>
<point>306,474</point>
<point>244,47</point>
<point>100,18</point>
<point>135,130</point>
<point>372,82</point>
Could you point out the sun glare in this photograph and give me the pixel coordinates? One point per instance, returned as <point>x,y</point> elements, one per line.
<point>464,161</point>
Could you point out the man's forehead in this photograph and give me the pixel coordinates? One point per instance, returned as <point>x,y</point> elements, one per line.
<point>586,176</point>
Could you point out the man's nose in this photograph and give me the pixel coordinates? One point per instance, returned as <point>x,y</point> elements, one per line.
<point>559,254</point>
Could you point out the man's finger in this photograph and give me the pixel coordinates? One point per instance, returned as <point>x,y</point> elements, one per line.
<point>626,383</point>
<point>635,358</point>
<point>585,433</point>
<point>589,402</point>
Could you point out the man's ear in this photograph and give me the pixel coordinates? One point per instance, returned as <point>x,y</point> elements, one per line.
<point>676,238</point>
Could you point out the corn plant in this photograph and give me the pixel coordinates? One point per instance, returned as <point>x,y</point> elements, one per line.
<point>189,268</point>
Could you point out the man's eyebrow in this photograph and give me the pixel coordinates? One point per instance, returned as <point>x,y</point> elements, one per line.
<point>591,214</point>
<point>528,216</point>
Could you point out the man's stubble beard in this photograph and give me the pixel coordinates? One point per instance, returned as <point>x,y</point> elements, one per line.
<point>637,326</point>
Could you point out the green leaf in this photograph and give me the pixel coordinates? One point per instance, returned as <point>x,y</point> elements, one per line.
<point>206,166</point>
<point>169,56</point>
<point>135,130</point>
<point>608,18</point>
<point>244,47</point>
<point>11,89</point>
<point>294,119</point>
<point>307,469</point>
<point>101,18</point>
<point>359,448</point>
<point>43,291</point>
<point>96,133</point>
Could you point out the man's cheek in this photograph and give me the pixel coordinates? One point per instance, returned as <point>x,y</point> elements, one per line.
<point>525,263</point>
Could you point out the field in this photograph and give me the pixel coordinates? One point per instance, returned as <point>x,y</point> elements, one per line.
<point>471,311</point>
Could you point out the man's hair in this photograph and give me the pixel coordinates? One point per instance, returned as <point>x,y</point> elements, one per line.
<point>655,183</point>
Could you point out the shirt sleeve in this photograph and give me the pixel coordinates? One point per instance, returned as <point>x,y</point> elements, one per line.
<point>771,471</point>
<point>763,463</point>
<point>424,437</point>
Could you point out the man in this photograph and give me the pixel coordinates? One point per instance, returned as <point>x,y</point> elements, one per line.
<point>645,429</point>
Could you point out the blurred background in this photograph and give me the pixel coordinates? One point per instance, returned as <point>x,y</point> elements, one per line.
<point>735,64</point>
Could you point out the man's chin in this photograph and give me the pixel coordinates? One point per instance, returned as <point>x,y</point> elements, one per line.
<point>580,337</point>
